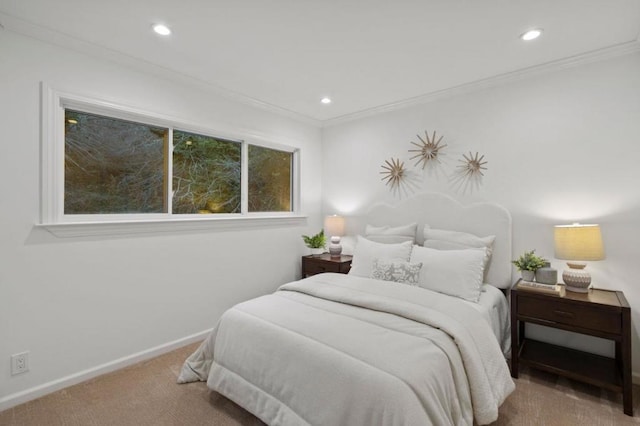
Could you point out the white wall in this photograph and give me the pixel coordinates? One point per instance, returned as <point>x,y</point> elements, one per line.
<point>77,304</point>
<point>561,147</point>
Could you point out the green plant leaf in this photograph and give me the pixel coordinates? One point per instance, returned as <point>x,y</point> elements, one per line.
<point>529,261</point>
<point>315,241</point>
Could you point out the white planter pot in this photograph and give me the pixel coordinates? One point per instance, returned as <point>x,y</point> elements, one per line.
<point>528,275</point>
<point>316,251</point>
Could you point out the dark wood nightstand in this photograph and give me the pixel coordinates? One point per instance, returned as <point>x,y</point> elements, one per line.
<point>312,265</point>
<point>600,313</point>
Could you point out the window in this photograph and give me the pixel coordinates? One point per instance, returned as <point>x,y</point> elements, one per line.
<point>207,174</point>
<point>104,164</point>
<point>269,179</point>
<point>112,166</point>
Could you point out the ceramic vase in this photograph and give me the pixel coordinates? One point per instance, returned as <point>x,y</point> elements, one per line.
<point>547,275</point>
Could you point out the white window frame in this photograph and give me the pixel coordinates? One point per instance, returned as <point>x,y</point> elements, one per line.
<point>52,217</point>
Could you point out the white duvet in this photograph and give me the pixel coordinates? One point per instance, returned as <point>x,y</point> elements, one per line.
<point>336,349</point>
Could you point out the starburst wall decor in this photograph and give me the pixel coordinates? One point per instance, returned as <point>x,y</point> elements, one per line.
<point>428,150</point>
<point>472,166</point>
<point>393,173</point>
<point>427,153</point>
<point>399,180</point>
<point>468,175</point>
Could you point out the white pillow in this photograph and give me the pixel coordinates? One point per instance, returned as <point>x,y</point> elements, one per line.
<point>391,234</point>
<point>365,251</point>
<point>348,242</point>
<point>458,238</point>
<point>446,245</point>
<point>443,239</point>
<point>390,239</point>
<point>457,273</point>
<point>399,271</point>
<point>409,230</point>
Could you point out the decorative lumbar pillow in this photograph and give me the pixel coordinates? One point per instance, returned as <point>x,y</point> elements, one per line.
<point>399,271</point>
<point>391,234</point>
<point>457,273</point>
<point>366,251</point>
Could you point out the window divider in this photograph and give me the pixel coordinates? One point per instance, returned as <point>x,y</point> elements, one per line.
<point>244,179</point>
<point>169,172</point>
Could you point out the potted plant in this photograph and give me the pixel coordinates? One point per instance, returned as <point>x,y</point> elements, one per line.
<point>316,242</point>
<point>528,264</point>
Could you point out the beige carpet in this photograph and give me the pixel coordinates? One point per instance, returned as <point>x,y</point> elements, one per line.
<point>147,394</point>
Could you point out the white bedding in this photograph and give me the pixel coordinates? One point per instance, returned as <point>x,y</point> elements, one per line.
<point>494,308</point>
<point>335,349</point>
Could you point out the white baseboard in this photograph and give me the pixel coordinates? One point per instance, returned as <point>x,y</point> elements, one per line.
<point>81,376</point>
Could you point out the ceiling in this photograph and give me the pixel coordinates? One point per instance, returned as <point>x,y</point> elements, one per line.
<point>365,55</point>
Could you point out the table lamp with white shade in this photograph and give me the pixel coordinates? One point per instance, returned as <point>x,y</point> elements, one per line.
<point>334,226</point>
<point>578,243</point>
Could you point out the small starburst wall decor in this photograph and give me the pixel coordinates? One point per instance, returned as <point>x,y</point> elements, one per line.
<point>468,174</point>
<point>401,181</point>
<point>472,165</point>
<point>428,150</point>
<point>393,173</point>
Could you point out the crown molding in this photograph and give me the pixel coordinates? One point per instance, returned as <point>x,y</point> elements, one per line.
<point>47,35</point>
<point>549,67</point>
<point>20,26</point>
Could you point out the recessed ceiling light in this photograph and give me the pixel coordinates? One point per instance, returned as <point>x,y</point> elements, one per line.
<point>531,34</point>
<point>325,100</point>
<point>161,29</point>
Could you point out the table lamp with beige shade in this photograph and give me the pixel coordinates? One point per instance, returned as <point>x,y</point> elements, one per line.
<point>578,243</point>
<point>334,226</point>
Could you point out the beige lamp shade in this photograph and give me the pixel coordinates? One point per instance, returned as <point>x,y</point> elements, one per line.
<point>578,242</point>
<point>334,225</point>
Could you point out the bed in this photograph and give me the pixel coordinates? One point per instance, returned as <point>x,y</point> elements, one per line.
<point>361,349</point>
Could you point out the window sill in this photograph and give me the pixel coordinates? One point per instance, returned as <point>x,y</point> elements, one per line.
<point>87,229</point>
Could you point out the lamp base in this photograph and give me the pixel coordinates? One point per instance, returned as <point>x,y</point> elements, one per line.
<point>576,289</point>
<point>575,278</point>
<point>335,249</point>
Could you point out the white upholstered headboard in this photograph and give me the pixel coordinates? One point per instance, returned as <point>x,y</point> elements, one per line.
<point>443,212</point>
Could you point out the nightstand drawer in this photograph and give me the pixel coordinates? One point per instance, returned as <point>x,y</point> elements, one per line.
<point>313,268</point>
<point>312,265</point>
<point>570,314</point>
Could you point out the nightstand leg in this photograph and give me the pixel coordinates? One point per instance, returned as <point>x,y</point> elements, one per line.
<point>515,338</point>
<point>625,362</point>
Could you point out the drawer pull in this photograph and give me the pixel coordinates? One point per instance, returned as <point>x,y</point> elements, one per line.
<point>563,314</point>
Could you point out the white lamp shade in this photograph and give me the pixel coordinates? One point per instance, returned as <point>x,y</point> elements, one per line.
<point>334,225</point>
<point>578,242</point>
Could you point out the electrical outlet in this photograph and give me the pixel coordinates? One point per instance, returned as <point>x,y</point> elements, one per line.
<point>19,363</point>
